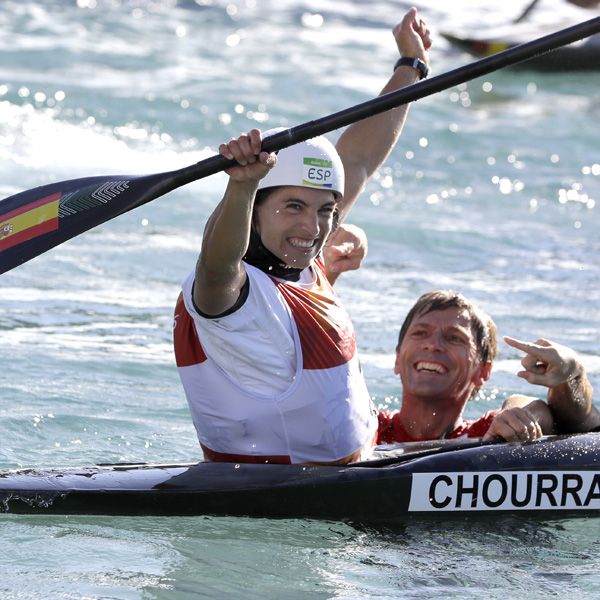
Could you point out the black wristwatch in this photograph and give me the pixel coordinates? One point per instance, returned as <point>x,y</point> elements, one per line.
<point>415,63</point>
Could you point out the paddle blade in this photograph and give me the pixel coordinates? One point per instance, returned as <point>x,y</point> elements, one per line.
<point>36,220</point>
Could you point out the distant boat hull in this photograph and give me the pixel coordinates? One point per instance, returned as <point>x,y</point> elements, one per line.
<point>581,56</point>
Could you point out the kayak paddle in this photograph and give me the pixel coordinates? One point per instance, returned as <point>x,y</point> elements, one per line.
<point>36,220</point>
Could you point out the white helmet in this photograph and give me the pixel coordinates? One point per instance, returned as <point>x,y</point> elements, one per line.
<point>314,163</point>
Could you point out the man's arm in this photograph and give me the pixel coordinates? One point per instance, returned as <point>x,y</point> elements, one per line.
<point>220,274</point>
<point>569,391</point>
<point>364,146</point>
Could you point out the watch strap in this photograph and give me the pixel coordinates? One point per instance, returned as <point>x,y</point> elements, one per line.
<point>415,63</point>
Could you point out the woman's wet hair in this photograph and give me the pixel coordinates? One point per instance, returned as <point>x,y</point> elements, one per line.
<point>262,195</point>
<point>482,325</point>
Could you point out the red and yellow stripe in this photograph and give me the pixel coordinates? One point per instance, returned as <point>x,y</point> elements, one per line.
<point>29,221</point>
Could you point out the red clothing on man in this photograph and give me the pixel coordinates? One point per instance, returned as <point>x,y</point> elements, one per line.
<point>391,430</point>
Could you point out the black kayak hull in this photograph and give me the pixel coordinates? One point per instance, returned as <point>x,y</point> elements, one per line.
<point>557,476</point>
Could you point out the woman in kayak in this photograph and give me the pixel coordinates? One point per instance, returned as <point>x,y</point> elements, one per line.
<point>265,351</point>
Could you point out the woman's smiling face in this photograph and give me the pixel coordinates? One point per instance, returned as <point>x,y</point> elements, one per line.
<point>294,222</point>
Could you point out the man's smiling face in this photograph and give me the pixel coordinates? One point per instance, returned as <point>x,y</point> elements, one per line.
<point>438,358</point>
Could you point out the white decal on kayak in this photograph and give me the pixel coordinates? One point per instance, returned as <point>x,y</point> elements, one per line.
<point>506,490</point>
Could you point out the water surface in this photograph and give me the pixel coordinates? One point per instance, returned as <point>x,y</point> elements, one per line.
<point>492,191</point>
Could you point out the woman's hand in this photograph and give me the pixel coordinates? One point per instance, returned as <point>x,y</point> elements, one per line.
<point>253,164</point>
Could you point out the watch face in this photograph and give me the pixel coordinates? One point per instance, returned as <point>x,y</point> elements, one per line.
<point>423,69</point>
<point>420,66</point>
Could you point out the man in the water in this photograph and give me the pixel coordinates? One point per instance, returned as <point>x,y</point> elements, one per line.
<point>444,355</point>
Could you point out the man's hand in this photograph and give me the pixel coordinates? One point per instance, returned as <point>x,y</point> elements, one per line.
<point>344,250</point>
<point>569,390</point>
<point>547,363</point>
<point>514,425</point>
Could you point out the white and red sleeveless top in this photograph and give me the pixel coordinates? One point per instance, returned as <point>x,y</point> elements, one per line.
<point>278,380</point>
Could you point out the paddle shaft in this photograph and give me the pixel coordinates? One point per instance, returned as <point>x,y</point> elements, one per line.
<point>419,90</point>
<point>34,221</point>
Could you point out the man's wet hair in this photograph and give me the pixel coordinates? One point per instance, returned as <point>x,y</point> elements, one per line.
<point>482,325</point>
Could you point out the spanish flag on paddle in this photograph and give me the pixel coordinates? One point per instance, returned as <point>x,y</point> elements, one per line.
<point>29,221</point>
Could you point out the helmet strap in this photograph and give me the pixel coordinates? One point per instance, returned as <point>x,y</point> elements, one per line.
<point>260,257</point>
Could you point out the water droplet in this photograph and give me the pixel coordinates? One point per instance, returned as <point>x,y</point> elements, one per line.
<point>387,182</point>
<point>314,21</point>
